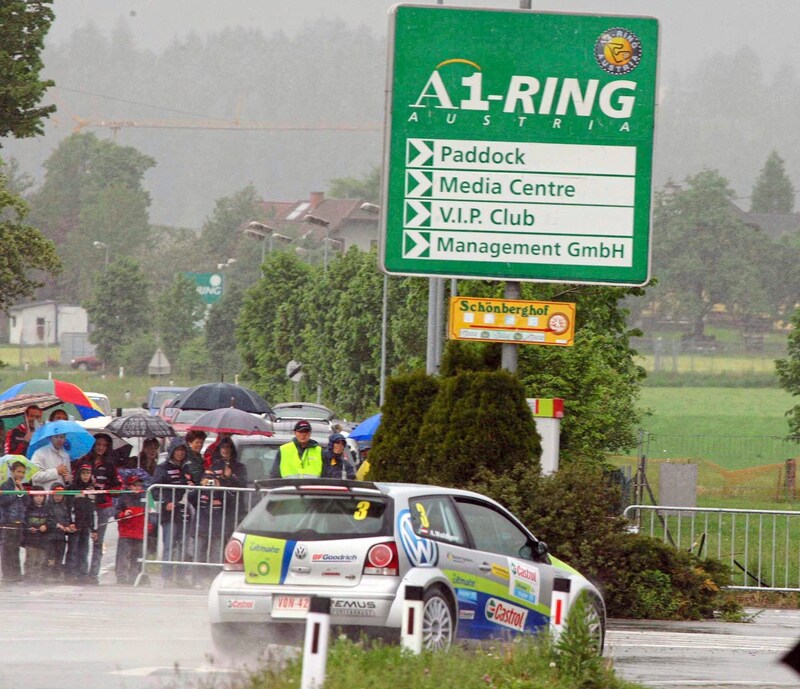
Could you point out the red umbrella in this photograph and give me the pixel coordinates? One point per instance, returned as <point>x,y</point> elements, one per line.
<point>232,420</point>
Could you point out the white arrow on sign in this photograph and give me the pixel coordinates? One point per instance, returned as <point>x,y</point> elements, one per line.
<point>420,149</point>
<point>423,181</point>
<point>421,244</point>
<point>420,209</point>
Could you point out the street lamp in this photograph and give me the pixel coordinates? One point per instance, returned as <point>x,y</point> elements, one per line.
<point>314,220</point>
<point>102,245</point>
<point>262,232</point>
<point>372,208</point>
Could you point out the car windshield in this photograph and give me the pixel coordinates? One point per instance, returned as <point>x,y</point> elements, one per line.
<point>300,412</point>
<point>319,517</point>
<point>160,397</point>
<point>188,415</point>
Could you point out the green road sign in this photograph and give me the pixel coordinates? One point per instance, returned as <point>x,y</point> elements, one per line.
<point>519,145</point>
<point>210,286</point>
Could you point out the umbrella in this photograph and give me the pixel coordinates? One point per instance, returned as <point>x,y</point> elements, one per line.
<point>141,474</point>
<point>16,405</point>
<point>5,467</point>
<point>232,420</point>
<point>79,439</point>
<point>141,426</point>
<point>219,395</point>
<point>366,429</point>
<point>70,397</point>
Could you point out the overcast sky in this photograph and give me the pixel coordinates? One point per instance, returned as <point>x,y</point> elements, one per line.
<point>691,29</point>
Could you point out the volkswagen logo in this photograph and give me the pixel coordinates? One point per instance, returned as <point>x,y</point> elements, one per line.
<point>300,551</point>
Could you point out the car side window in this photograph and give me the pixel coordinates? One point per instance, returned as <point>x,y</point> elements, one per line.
<point>493,532</point>
<point>435,517</point>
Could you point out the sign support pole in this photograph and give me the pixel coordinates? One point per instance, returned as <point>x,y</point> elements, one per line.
<point>509,352</point>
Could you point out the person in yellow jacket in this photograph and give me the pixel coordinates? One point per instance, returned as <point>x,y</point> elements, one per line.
<point>300,457</point>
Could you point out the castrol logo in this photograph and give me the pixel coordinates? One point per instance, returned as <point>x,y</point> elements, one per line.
<point>505,614</point>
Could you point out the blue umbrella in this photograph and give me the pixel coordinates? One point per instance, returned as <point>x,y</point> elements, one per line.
<point>366,429</point>
<point>79,440</point>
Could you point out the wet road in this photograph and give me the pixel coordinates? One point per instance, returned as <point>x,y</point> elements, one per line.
<point>708,654</point>
<point>70,637</point>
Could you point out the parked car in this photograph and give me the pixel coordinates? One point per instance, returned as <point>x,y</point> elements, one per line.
<point>484,575</point>
<point>287,414</point>
<point>259,452</point>
<point>156,396</point>
<point>184,419</point>
<point>86,363</point>
<point>101,401</point>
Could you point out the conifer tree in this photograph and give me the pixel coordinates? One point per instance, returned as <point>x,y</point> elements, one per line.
<point>773,191</point>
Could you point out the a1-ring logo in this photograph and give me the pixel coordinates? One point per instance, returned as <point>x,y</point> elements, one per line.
<point>505,614</point>
<point>618,51</point>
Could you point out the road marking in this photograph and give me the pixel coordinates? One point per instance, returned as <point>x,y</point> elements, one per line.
<point>148,671</point>
<point>650,639</point>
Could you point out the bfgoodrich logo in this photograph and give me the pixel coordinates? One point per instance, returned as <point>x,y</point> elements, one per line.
<point>505,614</point>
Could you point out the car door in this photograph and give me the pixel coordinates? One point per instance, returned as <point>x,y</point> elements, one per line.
<point>435,518</point>
<point>515,585</point>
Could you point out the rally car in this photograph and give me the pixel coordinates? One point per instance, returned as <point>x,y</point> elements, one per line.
<point>360,544</point>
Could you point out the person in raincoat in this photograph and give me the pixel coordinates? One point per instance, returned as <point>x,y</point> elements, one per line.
<point>53,462</point>
<point>335,462</point>
<point>300,457</point>
<point>174,510</point>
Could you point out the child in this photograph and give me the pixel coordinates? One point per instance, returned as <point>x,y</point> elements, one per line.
<point>59,527</point>
<point>131,520</point>
<point>210,516</point>
<point>12,517</point>
<point>85,520</point>
<point>35,539</point>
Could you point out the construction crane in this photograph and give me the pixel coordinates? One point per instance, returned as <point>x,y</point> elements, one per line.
<point>229,125</point>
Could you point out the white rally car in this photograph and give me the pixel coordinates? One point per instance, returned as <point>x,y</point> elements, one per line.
<point>360,544</point>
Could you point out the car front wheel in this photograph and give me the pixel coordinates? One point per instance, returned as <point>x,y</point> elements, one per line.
<point>438,621</point>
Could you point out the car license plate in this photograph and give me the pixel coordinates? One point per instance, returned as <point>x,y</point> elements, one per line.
<point>290,606</point>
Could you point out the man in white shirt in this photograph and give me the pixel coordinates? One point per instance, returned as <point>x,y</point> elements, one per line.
<point>53,463</point>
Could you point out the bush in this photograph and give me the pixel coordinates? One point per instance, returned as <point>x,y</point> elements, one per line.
<point>575,511</point>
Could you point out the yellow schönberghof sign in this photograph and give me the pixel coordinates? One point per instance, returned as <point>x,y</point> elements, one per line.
<point>513,321</point>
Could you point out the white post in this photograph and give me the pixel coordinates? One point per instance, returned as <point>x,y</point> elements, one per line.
<point>411,633</point>
<point>559,604</point>
<point>315,649</point>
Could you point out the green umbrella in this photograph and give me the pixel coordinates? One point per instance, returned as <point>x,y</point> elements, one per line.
<point>5,467</point>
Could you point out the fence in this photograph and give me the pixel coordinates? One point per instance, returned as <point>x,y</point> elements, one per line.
<point>192,524</point>
<point>762,547</point>
<point>762,458</point>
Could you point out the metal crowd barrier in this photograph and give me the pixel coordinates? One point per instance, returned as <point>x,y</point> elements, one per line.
<point>762,547</point>
<point>190,538</point>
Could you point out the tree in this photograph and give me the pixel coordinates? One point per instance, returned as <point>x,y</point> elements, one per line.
<point>788,370</point>
<point>222,230</point>
<point>702,250</point>
<point>773,191</point>
<point>119,308</point>
<point>24,249</point>
<point>178,310</point>
<point>220,336</point>
<point>271,323</point>
<point>23,26</point>
<point>368,187</point>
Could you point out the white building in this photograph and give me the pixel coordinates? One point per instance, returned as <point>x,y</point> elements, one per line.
<point>43,322</point>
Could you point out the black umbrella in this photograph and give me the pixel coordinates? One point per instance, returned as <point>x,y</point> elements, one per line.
<point>219,395</point>
<point>141,426</point>
<point>232,420</point>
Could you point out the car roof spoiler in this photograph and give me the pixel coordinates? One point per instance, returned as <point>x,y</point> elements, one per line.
<point>315,482</point>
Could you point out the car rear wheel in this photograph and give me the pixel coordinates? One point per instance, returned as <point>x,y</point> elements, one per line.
<point>438,621</point>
